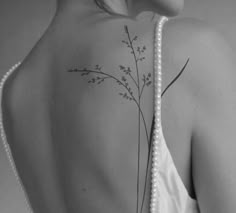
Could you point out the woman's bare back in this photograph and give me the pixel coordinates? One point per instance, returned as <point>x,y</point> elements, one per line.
<point>81,88</point>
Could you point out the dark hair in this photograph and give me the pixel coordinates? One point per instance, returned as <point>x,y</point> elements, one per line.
<point>102,5</point>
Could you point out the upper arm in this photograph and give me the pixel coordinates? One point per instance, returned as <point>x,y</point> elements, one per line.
<point>214,127</point>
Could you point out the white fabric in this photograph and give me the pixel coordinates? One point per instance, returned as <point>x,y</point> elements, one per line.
<point>174,197</point>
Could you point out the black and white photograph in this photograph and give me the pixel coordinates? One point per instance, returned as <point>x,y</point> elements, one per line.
<point>118,106</point>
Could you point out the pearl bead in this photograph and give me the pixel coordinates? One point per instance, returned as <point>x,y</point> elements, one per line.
<point>154,202</point>
<point>154,190</point>
<point>156,141</point>
<point>155,184</point>
<point>155,153</point>
<point>154,175</point>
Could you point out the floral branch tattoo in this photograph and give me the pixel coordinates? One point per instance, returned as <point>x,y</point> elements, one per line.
<point>138,55</point>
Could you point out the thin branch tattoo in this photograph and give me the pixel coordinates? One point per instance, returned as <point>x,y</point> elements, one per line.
<point>138,53</point>
<point>151,133</point>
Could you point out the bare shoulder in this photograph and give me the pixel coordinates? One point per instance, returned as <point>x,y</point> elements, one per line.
<point>210,77</point>
<point>211,59</point>
<point>188,33</point>
<point>191,26</point>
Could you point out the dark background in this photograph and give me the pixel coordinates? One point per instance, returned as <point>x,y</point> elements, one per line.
<point>22,22</point>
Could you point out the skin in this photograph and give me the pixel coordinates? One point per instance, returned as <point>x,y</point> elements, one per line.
<point>75,144</point>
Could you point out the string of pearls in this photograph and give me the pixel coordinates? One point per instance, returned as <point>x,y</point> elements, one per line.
<point>154,202</point>
<point>155,194</point>
<point>4,139</point>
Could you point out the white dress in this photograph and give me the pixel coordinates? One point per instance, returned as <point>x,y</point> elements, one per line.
<point>174,197</point>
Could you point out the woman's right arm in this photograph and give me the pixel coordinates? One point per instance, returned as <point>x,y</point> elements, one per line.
<point>214,128</point>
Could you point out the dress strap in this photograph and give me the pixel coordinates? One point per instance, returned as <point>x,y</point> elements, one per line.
<point>155,183</point>
<point>4,138</point>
